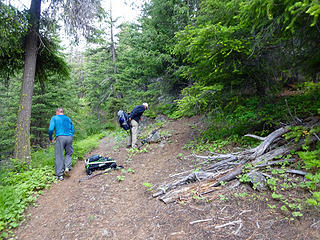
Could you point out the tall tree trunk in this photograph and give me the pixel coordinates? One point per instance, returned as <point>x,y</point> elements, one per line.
<point>113,50</point>
<point>22,141</point>
<point>114,60</point>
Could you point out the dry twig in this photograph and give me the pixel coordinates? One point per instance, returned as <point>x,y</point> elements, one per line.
<point>200,221</point>
<point>228,224</point>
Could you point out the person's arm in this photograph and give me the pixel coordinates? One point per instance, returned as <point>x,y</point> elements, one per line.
<point>72,128</point>
<point>51,129</point>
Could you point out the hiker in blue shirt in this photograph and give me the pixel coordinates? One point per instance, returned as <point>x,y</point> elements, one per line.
<point>63,127</point>
<point>134,118</point>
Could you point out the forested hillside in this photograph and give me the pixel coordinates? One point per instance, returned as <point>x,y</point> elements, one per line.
<point>244,66</point>
<point>218,58</point>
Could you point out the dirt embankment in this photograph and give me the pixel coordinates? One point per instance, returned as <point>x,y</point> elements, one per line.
<point>106,208</point>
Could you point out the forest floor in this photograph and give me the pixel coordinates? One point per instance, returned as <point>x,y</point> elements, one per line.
<point>105,208</point>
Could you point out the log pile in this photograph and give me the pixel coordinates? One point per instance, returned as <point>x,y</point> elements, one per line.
<point>223,168</point>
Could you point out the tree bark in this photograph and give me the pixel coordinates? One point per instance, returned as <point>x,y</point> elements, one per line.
<point>113,49</point>
<point>22,140</point>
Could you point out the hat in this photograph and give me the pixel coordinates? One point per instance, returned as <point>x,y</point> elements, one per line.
<point>146,105</point>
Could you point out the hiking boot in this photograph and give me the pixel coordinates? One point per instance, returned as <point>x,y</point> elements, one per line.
<point>67,172</point>
<point>59,178</point>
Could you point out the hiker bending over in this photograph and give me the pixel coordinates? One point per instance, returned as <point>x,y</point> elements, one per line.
<point>63,127</point>
<point>134,118</point>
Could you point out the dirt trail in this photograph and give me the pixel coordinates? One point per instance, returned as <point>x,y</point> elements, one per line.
<point>104,208</point>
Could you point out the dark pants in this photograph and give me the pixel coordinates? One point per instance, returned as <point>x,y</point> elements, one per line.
<point>63,143</point>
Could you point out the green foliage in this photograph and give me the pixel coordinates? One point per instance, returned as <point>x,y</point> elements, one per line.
<point>51,61</point>
<point>314,180</point>
<point>315,201</point>
<point>212,146</point>
<point>297,8</point>
<point>13,28</point>
<point>272,206</point>
<point>148,185</point>
<point>284,208</point>
<point>8,112</point>
<point>167,109</point>
<point>223,198</point>
<point>296,133</point>
<point>297,214</point>
<point>196,100</point>
<point>236,116</point>
<point>145,65</point>
<point>311,159</point>
<point>277,196</point>
<point>236,44</point>
<point>244,178</point>
<point>18,190</point>
<point>109,126</point>
<point>311,162</point>
<point>120,178</point>
<point>82,147</point>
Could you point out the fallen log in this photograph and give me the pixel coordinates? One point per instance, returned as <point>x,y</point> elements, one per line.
<point>192,177</point>
<point>258,151</point>
<point>230,176</point>
<point>226,167</point>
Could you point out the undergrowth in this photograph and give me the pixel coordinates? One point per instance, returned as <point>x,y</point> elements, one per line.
<point>228,122</point>
<point>230,118</point>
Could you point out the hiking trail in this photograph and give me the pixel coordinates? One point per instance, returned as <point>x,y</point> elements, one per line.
<point>105,208</point>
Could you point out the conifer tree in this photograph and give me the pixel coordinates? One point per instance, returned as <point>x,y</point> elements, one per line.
<point>77,15</point>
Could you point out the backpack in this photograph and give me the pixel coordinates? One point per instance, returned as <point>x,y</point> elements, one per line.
<point>123,120</point>
<point>98,162</point>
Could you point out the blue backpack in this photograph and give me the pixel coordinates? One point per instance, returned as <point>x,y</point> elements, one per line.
<point>123,120</point>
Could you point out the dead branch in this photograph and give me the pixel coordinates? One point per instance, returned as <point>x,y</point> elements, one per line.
<point>200,221</point>
<point>316,136</point>
<point>170,196</point>
<point>295,119</point>
<point>266,164</point>
<point>298,172</point>
<point>226,167</point>
<point>255,136</point>
<point>192,177</point>
<point>228,224</point>
<point>269,139</point>
<point>238,230</point>
<point>219,157</point>
<point>230,176</point>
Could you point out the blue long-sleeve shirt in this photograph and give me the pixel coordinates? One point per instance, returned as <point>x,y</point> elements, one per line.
<point>62,125</point>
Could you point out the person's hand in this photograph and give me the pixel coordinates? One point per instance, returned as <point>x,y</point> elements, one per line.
<point>52,140</point>
<point>129,119</point>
